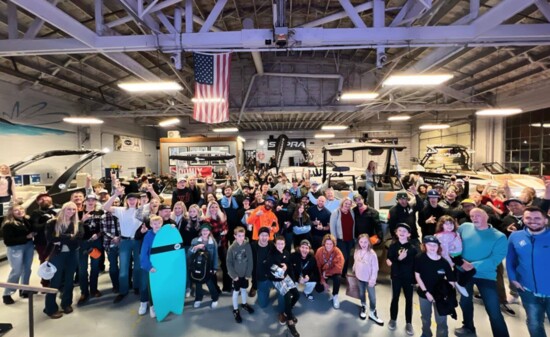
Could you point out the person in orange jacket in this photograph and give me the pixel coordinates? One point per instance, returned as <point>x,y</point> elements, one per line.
<point>263,216</point>
<point>330,262</point>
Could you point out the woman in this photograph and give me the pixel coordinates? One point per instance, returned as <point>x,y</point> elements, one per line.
<point>7,189</point>
<point>18,236</point>
<point>342,226</point>
<point>206,242</point>
<point>369,173</point>
<point>63,235</point>
<point>189,229</point>
<point>178,215</point>
<point>216,218</point>
<point>301,225</point>
<point>330,262</point>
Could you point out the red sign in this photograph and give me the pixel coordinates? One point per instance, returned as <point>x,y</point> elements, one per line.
<point>198,171</point>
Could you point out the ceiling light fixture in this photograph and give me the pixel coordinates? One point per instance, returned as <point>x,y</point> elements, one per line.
<point>334,127</point>
<point>169,122</point>
<point>82,120</point>
<point>434,126</point>
<point>417,80</point>
<point>207,100</point>
<point>498,112</point>
<point>324,135</point>
<point>225,130</point>
<point>359,95</point>
<point>399,118</point>
<point>153,86</point>
<point>540,125</point>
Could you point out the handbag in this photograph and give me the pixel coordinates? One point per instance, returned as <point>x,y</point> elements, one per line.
<point>353,286</point>
<point>299,230</point>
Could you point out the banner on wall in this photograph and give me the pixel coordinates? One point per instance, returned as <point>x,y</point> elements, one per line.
<point>127,144</point>
<point>182,169</point>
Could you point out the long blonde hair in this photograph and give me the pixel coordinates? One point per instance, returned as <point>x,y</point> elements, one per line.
<point>60,224</point>
<point>220,216</point>
<point>184,208</point>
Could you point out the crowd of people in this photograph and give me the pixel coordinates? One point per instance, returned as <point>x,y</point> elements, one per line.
<point>295,236</point>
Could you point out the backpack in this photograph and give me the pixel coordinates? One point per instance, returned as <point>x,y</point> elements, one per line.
<point>199,266</point>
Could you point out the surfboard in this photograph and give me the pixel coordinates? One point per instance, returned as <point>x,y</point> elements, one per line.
<point>168,283</point>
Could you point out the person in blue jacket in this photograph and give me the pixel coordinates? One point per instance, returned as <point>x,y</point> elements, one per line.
<point>207,242</point>
<point>526,264</point>
<point>145,259</point>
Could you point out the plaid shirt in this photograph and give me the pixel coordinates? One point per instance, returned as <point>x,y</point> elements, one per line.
<point>217,228</point>
<point>110,229</point>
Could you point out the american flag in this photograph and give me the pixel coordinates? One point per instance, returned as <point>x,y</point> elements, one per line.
<point>211,101</point>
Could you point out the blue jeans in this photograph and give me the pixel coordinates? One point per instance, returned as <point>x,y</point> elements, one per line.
<point>442,329</point>
<point>345,247</point>
<point>535,307</point>
<point>66,264</point>
<point>112,255</point>
<point>88,287</point>
<point>127,249</point>
<point>144,286</point>
<point>264,287</point>
<point>20,259</point>
<point>364,288</point>
<point>488,292</point>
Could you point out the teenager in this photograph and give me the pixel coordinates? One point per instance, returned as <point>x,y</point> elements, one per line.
<point>206,242</point>
<point>239,268</point>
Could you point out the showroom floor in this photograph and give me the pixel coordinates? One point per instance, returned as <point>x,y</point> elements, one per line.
<point>100,317</point>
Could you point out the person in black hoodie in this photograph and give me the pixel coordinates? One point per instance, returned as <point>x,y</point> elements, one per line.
<point>184,193</point>
<point>303,269</point>
<point>430,214</point>
<point>284,211</point>
<point>403,212</point>
<point>367,219</point>
<point>18,235</point>
<point>39,218</point>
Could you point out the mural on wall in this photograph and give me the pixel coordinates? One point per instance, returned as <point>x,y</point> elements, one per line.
<point>32,113</point>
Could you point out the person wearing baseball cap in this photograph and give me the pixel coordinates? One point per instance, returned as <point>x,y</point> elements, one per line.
<point>263,216</point>
<point>404,212</point>
<point>429,267</point>
<point>304,269</point>
<point>428,216</point>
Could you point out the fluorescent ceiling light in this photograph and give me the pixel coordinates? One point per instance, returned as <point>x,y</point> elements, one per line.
<point>169,122</point>
<point>498,112</point>
<point>359,95</point>
<point>82,120</point>
<point>324,135</point>
<point>539,125</point>
<point>419,80</point>
<point>226,130</point>
<point>399,118</point>
<point>434,126</point>
<point>334,127</point>
<point>150,86</point>
<point>207,100</point>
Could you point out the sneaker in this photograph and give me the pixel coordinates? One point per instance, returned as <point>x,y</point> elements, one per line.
<point>252,292</point>
<point>248,308</point>
<point>505,308</point>
<point>152,312</point>
<point>197,304</point>
<point>373,316</point>
<point>118,298</point>
<point>237,316</point>
<point>309,297</point>
<point>8,300</point>
<point>83,298</point>
<point>461,290</point>
<point>363,312</point>
<point>463,331</point>
<point>142,308</point>
<point>335,302</point>
<point>409,329</point>
<point>187,292</point>
<point>292,329</point>
<point>282,319</point>
<point>214,304</point>
<point>392,325</point>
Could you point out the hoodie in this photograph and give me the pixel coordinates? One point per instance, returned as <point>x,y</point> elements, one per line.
<point>239,260</point>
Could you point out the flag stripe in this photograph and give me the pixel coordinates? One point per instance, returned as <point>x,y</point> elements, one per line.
<point>213,98</point>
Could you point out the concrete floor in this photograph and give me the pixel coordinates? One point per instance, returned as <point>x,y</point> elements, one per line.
<point>101,318</point>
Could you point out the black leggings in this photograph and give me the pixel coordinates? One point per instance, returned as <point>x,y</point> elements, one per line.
<point>335,283</point>
<point>291,297</point>
<point>396,286</point>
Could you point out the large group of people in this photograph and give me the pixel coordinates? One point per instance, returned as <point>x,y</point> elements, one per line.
<point>294,235</point>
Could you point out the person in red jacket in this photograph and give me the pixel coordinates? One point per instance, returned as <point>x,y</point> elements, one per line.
<point>330,262</point>
<point>263,216</point>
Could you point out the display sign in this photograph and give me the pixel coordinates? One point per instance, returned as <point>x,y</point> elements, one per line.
<point>184,170</point>
<point>291,144</point>
<point>127,144</point>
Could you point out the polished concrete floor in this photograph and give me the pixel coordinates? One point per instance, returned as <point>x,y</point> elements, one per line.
<point>101,318</point>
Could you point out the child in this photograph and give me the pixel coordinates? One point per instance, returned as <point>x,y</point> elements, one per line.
<point>330,262</point>
<point>366,271</point>
<point>279,263</point>
<point>451,250</point>
<point>239,268</point>
<point>146,266</point>
<point>401,260</point>
<point>206,242</point>
<point>431,268</point>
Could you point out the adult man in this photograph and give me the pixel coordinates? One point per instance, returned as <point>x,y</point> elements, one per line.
<point>430,214</point>
<point>484,248</point>
<point>230,206</point>
<point>284,211</point>
<point>526,263</point>
<point>281,186</point>
<point>315,191</point>
<point>450,202</point>
<point>78,198</point>
<point>164,213</point>
<point>39,218</point>
<point>367,219</point>
<point>320,219</point>
<point>303,269</point>
<point>403,212</point>
<point>185,194</point>
<point>263,216</point>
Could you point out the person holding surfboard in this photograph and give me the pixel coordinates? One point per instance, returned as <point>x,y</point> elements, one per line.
<point>207,243</point>
<point>146,267</point>
<point>239,267</point>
